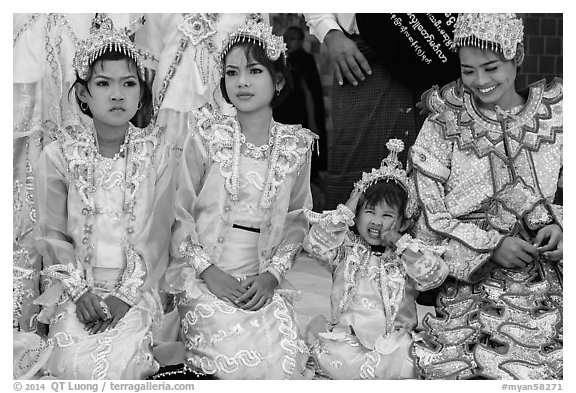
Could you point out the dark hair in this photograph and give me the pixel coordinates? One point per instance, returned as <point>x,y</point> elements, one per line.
<point>384,190</point>
<point>256,52</point>
<point>299,33</point>
<point>145,93</point>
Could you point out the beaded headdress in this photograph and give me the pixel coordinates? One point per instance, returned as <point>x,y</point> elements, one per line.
<point>103,38</point>
<point>391,169</point>
<point>496,32</point>
<point>255,30</point>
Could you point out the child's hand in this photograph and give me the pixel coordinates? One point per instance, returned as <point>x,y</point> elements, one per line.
<point>89,308</point>
<point>116,309</point>
<point>549,242</point>
<point>514,253</point>
<point>352,202</point>
<point>260,289</point>
<point>390,237</point>
<point>223,285</point>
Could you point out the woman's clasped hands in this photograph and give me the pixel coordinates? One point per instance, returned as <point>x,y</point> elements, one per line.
<point>100,314</point>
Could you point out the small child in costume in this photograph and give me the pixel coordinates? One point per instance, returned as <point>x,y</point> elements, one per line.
<point>376,276</point>
<point>105,209</point>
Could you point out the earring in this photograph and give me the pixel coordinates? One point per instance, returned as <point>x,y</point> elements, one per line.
<point>278,91</point>
<point>83,106</point>
<point>139,105</point>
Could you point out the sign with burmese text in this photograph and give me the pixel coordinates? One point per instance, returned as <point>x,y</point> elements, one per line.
<point>416,48</point>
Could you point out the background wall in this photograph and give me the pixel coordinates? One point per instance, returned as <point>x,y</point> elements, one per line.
<point>543,43</point>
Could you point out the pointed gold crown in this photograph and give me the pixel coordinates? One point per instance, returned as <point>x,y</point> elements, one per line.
<point>258,31</point>
<point>391,169</point>
<point>104,38</point>
<point>496,32</point>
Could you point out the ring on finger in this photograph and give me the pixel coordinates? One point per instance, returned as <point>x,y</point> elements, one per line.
<point>105,311</point>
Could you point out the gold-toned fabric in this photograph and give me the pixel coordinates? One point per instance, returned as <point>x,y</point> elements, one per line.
<point>483,175</point>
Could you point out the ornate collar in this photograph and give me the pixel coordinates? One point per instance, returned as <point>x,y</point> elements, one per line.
<point>221,137</point>
<point>454,109</point>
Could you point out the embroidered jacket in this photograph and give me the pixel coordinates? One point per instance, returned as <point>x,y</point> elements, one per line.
<point>483,175</point>
<point>466,169</point>
<point>139,199</point>
<point>209,186</point>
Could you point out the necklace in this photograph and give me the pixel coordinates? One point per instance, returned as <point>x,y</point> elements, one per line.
<point>120,152</point>
<point>256,152</point>
<point>87,185</point>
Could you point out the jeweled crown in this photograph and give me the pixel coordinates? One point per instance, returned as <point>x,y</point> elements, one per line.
<point>258,31</point>
<point>103,38</point>
<point>391,169</point>
<point>496,32</point>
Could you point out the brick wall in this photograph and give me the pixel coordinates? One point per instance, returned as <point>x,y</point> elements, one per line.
<point>543,40</point>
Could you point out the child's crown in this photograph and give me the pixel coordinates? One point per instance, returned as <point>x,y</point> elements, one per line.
<point>104,38</point>
<point>496,32</point>
<point>391,169</point>
<point>258,31</point>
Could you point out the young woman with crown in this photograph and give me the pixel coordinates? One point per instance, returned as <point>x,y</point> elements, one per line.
<point>377,272</point>
<point>180,52</point>
<point>244,182</point>
<point>105,197</point>
<point>486,167</point>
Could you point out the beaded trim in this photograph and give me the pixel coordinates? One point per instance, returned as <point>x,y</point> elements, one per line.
<point>195,256</point>
<point>71,277</point>
<point>182,45</point>
<point>283,259</point>
<point>498,32</point>
<point>221,137</point>
<point>30,360</point>
<point>257,31</point>
<point>454,110</point>
<point>25,26</point>
<point>80,151</point>
<point>104,38</point>
<point>290,342</point>
<point>342,215</point>
<point>128,288</point>
<point>368,368</point>
<point>100,355</point>
<point>183,370</point>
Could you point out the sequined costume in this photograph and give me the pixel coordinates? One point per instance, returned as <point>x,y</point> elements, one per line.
<point>481,176</point>
<point>103,225</point>
<point>223,186</point>
<point>180,51</point>
<point>373,307</point>
<point>43,48</point>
